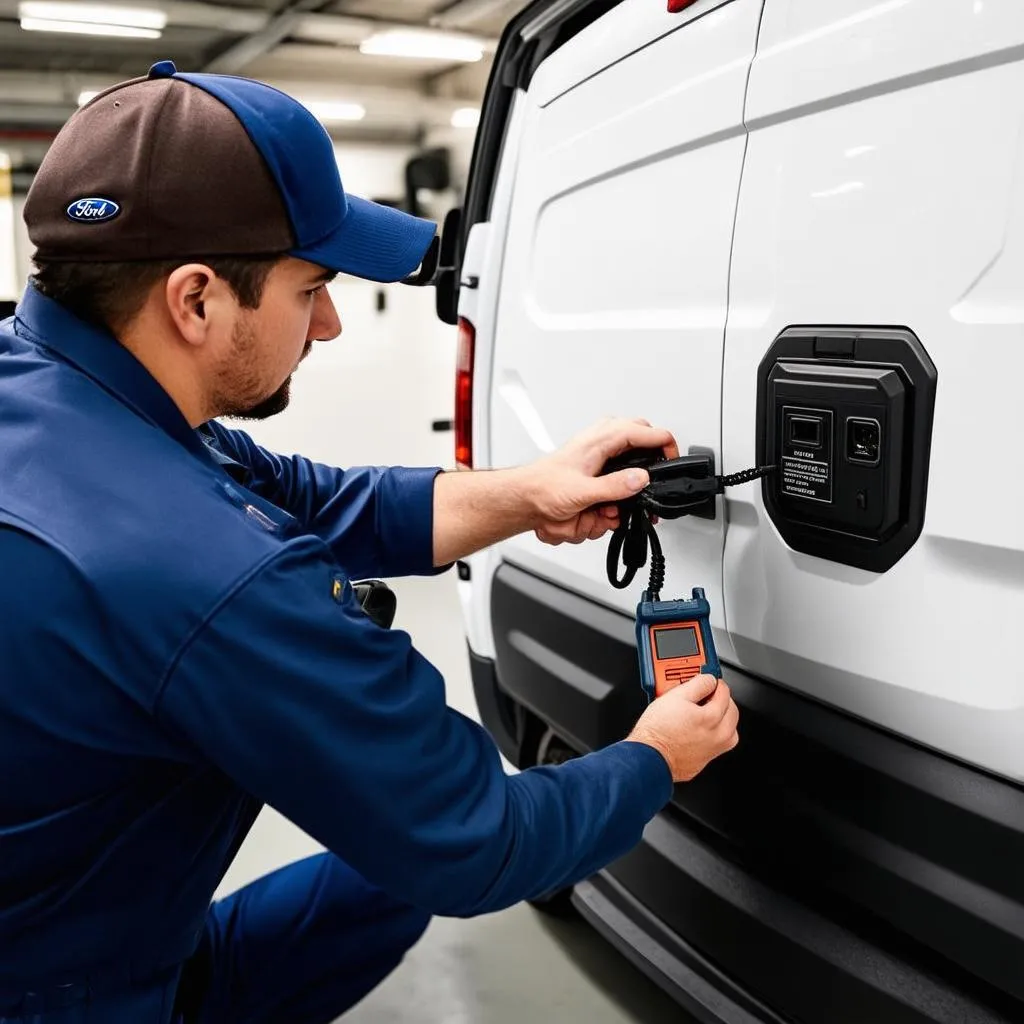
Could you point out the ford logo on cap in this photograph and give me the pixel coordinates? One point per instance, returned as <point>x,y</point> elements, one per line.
<point>93,210</point>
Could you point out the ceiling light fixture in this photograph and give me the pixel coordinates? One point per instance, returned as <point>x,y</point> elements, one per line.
<point>466,117</point>
<point>329,110</point>
<point>91,19</point>
<point>423,45</point>
<point>88,28</point>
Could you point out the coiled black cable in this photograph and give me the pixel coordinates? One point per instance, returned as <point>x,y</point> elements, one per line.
<point>677,491</point>
<point>629,543</point>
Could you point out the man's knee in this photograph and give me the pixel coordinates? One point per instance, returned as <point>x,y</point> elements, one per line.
<point>315,936</point>
<point>369,925</point>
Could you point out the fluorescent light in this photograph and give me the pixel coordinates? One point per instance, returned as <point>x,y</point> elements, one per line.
<point>86,95</point>
<point>88,28</point>
<point>425,45</point>
<point>94,14</point>
<point>91,19</point>
<point>466,117</point>
<point>328,110</point>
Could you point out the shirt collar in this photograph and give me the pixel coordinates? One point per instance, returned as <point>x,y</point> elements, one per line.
<point>234,469</point>
<point>100,356</point>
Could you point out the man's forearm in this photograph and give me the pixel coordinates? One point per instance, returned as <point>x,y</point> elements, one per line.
<point>474,509</point>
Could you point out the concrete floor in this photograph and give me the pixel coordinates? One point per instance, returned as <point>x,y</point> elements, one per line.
<point>517,965</point>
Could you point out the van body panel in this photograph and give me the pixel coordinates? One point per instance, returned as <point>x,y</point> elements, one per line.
<point>884,186</point>
<point>614,286</point>
<point>625,29</point>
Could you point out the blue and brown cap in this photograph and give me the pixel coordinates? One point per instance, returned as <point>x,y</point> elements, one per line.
<point>191,165</point>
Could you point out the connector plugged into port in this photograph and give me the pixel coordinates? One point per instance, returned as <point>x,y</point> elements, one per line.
<point>863,441</point>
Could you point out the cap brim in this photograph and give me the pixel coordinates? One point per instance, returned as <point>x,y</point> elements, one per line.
<point>374,242</point>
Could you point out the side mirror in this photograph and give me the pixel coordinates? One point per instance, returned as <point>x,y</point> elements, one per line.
<point>447,283</point>
<point>440,267</point>
<point>429,170</point>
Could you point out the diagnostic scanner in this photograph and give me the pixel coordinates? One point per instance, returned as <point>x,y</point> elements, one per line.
<point>673,638</point>
<point>674,642</point>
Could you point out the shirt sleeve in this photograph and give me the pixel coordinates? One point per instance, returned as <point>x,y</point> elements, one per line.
<point>343,727</point>
<point>377,521</point>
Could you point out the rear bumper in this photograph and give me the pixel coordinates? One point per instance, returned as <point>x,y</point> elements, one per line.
<point>709,994</point>
<point>825,871</point>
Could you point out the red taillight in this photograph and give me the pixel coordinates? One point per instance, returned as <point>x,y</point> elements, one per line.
<point>464,395</point>
<point>675,6</point>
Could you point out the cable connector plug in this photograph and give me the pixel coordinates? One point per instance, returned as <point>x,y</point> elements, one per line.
<point>680,486</point>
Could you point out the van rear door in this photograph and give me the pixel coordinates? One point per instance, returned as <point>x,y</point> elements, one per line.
<point>614,285</point>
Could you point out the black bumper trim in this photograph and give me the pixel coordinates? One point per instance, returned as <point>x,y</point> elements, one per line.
<point>792,954</point>
<point>496,708</point>
<point>690,978</point>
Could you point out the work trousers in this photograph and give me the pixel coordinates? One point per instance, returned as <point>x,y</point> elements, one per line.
<point>299,946</point>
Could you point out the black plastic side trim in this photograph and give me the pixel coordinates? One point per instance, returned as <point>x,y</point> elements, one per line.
<point>690,978</point>
<point>496,708</point>
<point>571,662</point>
<point>808,960</point>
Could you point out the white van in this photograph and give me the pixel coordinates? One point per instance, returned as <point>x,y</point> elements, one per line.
<point>792,231</point>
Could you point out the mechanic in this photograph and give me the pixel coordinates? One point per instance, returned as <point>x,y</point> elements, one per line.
<point>179,638</point>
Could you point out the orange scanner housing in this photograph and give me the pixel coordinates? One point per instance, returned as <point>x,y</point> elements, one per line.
<point>677,653</point>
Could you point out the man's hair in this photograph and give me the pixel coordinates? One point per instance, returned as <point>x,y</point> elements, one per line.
<point>111,295</point>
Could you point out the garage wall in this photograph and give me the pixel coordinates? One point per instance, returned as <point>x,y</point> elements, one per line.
<point>369,397</point>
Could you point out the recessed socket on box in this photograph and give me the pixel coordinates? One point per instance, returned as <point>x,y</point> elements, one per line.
<point>863,440</point>
<point>804,430</point>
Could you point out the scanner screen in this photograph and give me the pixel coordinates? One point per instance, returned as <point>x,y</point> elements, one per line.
<point>676,643</point>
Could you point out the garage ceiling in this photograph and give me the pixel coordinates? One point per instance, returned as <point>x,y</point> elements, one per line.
<point>311,48</point>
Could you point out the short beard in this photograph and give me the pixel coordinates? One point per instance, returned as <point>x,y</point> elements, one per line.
<point>270,406</point>
<point>237,382</point>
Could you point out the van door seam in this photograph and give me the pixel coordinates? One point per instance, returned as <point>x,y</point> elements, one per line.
<point>728,310</point>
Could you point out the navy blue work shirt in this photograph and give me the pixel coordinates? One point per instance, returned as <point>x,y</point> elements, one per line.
<point>179,644</point>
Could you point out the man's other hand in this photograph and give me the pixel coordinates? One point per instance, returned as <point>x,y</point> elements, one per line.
<point>572,502</point>
<point>687,732</point>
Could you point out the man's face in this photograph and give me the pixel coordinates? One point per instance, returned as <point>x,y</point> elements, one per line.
<point>252,381</point>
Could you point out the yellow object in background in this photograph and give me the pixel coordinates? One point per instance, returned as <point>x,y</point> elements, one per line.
<point>9,286</point>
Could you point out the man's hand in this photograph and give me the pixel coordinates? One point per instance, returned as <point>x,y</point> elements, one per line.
<point>685,732</point>
<point>572,502</point>
<point>560,497</point>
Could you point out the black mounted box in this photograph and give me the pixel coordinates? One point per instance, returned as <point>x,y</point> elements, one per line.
<point>846,415</point>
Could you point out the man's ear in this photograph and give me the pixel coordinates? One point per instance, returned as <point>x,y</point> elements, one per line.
<point>188,292</point>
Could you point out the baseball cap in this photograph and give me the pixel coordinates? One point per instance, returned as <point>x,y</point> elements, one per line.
<point>191,165</point>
